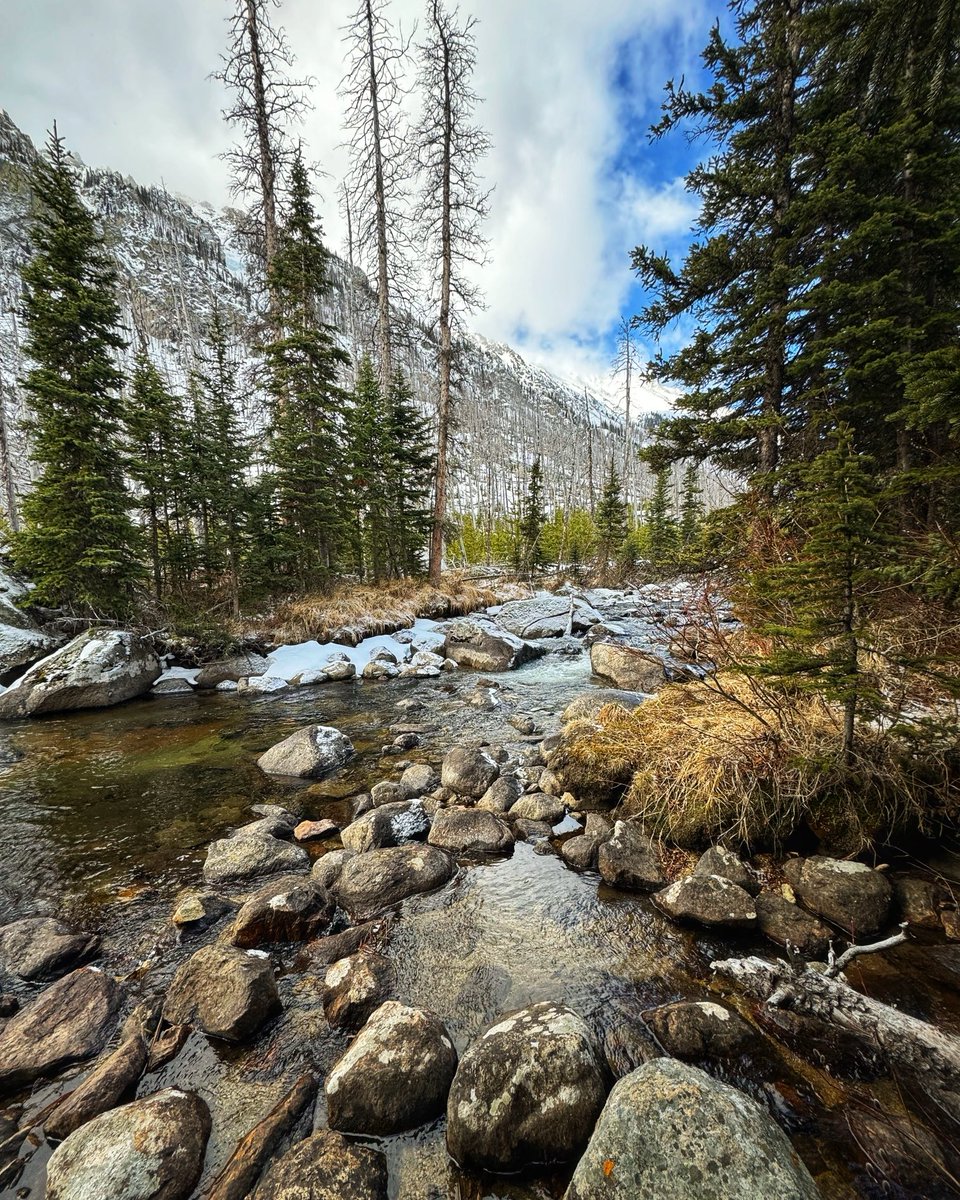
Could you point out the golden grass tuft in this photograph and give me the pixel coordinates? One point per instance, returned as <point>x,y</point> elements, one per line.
<point>726,760</point>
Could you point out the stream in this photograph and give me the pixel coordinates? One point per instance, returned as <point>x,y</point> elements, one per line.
<point>106,815</point>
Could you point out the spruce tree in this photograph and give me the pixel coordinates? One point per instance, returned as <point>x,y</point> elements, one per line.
<point>661,526</point>
<point>532,520</point>
<point>691,511</point>
<point>368,471</point>
<point>611,520</point>
<point>78,542</point>
<point>409,471</point>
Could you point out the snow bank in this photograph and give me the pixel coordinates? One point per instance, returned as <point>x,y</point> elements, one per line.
<point>287,662</point>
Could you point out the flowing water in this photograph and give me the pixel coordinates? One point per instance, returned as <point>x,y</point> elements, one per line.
<point>105,816</point>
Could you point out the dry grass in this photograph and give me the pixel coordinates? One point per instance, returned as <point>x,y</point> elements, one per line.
<point>727,760</point>
<point>351,612</point>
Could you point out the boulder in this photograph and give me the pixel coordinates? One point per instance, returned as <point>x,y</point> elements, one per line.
<point>111,1079</point>
<point>468,772</point>
<point>546,616</point>
<point>588,704</point>
<point>239,858</point>
<point>469,831</point>
<point>386,792</point>
<point>198,910</point>
<point>152,1149</point>
<point>417,781</point>
<point>354,987</point>
<point>349,941</point>
<point>262,685</point>
<point>316,831</point>
<point>233,669</point>
<point>532,831</point>
<point>280,826</point>
<point>338,667</point>
<point>172,685</point>
<point>388,825</point>
<point>98,668</point>
<point>919,900</point>
<point>848,894</point>
<point>527,1092</point>
<point>68,1023</point>
<point>325,1167</point>
<point>482,645</point>
<point>628,859</point>
<point>225,992</point>
<point>379,668</point>
<point>580,852</point>
<point>708,900</point>
<point>598,827</point>
<point>627,667</point>
<point>720,861</point>
<point>310,753</point>
<point>291,909</point>
<point>326,870</point>
<point>538,806</point>
<point>394,1076</point>
<point>371,882</point>
<point>699,1029</point>
<point>671,1131</point>
<point>501,795</point>
<point>22,642</point>
<point>789,926</point>
<point>42,948</point>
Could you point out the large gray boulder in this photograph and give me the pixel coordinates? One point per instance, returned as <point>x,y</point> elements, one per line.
<point>708,900</point>
<point>417,780</point>
<point>849,894</point>
<point>98,668</point>
<point>469,831</point>
<point>22,642</point>
<point>152,1149</point>
<point>369,883</point>
<point>238,666</point>
<point>308,754</point>
<point>355,986</point>
<point>224,992</point>
<point>670,1131</point>
<point>291,909</point>
<point>468,772</point>
<point>395,1075</point>
<point>388,825</point>
<point>526,1092</point>
<point>325,1167</point>
<point>481,645</point>
<point>546,616</point>
<point>538,806</point>
<point>68,1023</point>
<point>627,667</point>
<point>42,948</point>
<point>502,794</point>
<point>240,858</point>
<point>628,859</point>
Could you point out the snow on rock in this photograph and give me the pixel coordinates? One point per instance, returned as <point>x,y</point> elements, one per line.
<point>311,658</point>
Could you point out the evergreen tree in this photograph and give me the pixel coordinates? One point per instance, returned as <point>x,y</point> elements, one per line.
<point>532,520</point>
<point>304,364</point>
<point>369,474</point>
<point>611,520</point>
<point>78,542</point>
<point>691,510</point>
<point>661,526</point>
<point>409,471</point>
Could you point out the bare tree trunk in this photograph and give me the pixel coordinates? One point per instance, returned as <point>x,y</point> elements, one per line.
<point>380,202</point>
<point>267,167</point>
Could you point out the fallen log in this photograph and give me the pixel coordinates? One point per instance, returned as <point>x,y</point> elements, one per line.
<point>905,1043</point>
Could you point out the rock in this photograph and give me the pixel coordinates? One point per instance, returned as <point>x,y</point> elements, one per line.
<point>628,859</point>
<point>291,909</point>
<point>152,1149</point>
<point>68,1023</point>
<point>787,925</point>
<point>42,948</point>
<point>315,831</point>
<point>720,861</point>
<point>199,910</point>
<point>386,792</point>
<point>338,668</point>
<point>468,772</point>
<point>110,1080</point>
<point>172,685</point>
<point>527,1092</point>
<point>238,858</point>
<point>262,685</point>
<point>326,870</point>
<point>380,669</point>
<point>598,827</point>
<point>354,987</point>
<point>394,1076</point>
<point>325,1167</point>
<point>362,804</point>
<point>228,685</point>
<point>848,894</point>
<point>708,900</point>
<point>544,616</point>
<point>670,1131</point>
<point>950,920</point>
<point>501,795</point>
<point>271,826</point>
<point>22,642</point>
<point>233,669</point>
<point>538,806</point>
<point>371,882</point>
<point>225,992</point>
<point>417,781</point>
<point>627,667</point>
<point>309,753</point>
<point>588,704</point>
<point>384,655</point>
<point>388,825</point>
<point>482,645</point>
<point>98,668</point>
<point>347,942</point>
<point>469,831</point>
<point>699,1029</point>
<point>919,900</point>
<point>532,831</point>
<point>580,852</point>
<point>9,1005</point>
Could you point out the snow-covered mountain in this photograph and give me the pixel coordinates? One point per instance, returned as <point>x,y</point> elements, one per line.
<point>177,259</point>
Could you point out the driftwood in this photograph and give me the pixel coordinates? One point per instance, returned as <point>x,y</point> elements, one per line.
<point>238,1178</point>
<point>905,1043</point>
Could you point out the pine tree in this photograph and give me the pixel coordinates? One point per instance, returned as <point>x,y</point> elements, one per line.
<point>410,466</point>
<point>691,511</point>
<point>304,364</point>
<point>532,520</point>
<point>611,520</point>
<point>661,526</point>
<point>78,542</point>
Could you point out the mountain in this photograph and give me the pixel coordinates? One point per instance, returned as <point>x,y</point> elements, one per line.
<point>177,260</point>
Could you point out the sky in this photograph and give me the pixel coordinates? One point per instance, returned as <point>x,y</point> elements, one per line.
<point>569,87</point>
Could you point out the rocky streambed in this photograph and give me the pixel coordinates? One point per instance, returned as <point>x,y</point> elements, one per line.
<point>427,972</point>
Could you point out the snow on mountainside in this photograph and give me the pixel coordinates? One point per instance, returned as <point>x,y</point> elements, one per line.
<point>177,260</point>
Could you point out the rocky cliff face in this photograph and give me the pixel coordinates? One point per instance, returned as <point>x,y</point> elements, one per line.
<point>177,260</point>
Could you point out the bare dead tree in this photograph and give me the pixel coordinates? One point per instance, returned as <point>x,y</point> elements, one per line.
<point>451,208</point>
<point>623,365</point>
<point>378,178</point>
<point>265,103</point>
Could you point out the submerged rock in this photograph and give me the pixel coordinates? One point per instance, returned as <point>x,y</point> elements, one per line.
<point>325,1167</point>
<point>394,1076</point>
<point>848,894</point>
<point>482,645</point>
<point>628,859</point>
<point>699,1029</point>
<point>98,668</point>
<point>224,992</point>
<point>152,1149</point>
<point>371,882</point>
<point>354,987</point>
<point>627,667</point>
<point>469,831</point>
<point>112,1078</point>
<point>315,831</point>
<point>309,753</point>
<point>291,909</point>
<point>527,1092</point>
<point>42,948</point>
<point>708,900</point>
<point>468,772</point>
<point>238,858</point>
